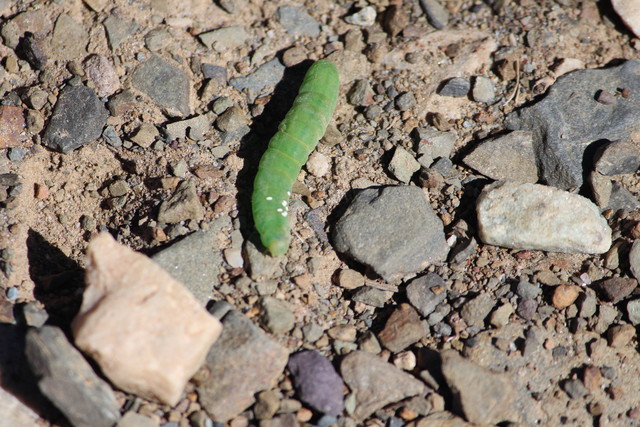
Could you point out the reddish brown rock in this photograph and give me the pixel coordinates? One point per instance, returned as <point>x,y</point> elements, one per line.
<point>146,331</point>
<point>403,328</point>
<point>12,127</point>
<point>564,296</point>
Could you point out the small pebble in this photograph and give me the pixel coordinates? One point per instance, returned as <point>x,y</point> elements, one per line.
<point>12,293</point>
<point>564,296</point>
<point>605,97</point>
<point>456,87</point>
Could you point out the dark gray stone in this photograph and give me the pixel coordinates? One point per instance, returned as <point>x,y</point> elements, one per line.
<point>194,261</point>
<point>242,362</point>
<point>317,382</point>
<point>621,198</point>
<point>297,21</point>
<point>393,230</point>
<point>437,15</point>
<point>118,29</point>
<point>166,85</point>
<point>477,309</point>
<point>564,133</point>
<point>77,119</point>
<point>618,157</point>
<point>527,308</point>
<point>426,292</point>
<point>267,75</point>
<point>68,380</point>
<point>457,87</point>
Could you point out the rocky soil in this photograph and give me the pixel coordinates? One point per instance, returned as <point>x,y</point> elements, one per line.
<point>465,237</point>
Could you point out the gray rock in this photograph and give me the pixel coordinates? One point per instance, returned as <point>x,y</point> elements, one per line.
<point>118,30</point>
<point>68,380</point>
<point>426,292</point>
<point>456,87</point>
<point>194,261</point>
<point>34,315</point>
<point>68,41</point>
<point>575,389</point>
<point>606,315</point>
<point>371,296</point>
<point>587,305</point>
<point>618,157</point>
<point>215,72</point>
<point>317,382</point>
<point>276,315</point>
<point>621,198</point>
<point>433,144</point>
<point>231,120</point>
<point>167,85</point>
<point>266,76</point>
<point>360,93</point>
<point>633,311</point>
<point>405,101</point>
<point>533,216</point>
<point>483,396</point>
<point>182,205</point>
<point>391,229</point>
<point>463,250</point>
<point>376,383</point>
<point>483,90</point>
<point>527,290</point>
<point>437,15</point>
<point>634,259</point>
<point>241,363</point>
<point>224,38</point>
<point>477,309</point>
<point>403,165</point>
<point>77,119</point>
<point>527,308</point>
<point>564,132</point>
<point>402,329</point>
<point>507,157</point>
<point>297,21</point>
<point>260,265</point>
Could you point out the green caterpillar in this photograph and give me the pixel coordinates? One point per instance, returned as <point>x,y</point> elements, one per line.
<point>297,136</point>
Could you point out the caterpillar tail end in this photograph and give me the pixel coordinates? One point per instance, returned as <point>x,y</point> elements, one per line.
<point>278,247</point>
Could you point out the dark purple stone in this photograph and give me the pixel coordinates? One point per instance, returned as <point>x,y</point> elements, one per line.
<point>317,382</point>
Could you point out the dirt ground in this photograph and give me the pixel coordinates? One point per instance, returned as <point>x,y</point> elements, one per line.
<point>518,44</point>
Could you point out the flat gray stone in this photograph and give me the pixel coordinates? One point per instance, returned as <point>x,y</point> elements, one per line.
<point>266,76</point>
<point>376,383</point>
<point>297,21</point>
<point>621,198</point>
<point>118,30</point>
<point>68,380</point>
<point>224,38</point>
<point>241,363</point>
<point>618,158</point>
<point>276,315</point>
<point>167,85</point>
<point>194,261</point>
<point>483,90</point>
<point>432,144</point>
<point>507,157</point>
<point>77,119</point>
<point>391,229</point>
<point>483,396</point>
<point>456,87</point>
<point>565,132</point>
<point>437,15</point>
<point>69,40</point>
<point>426,292</point>
<point>403,165</point>
<point>533,216</point>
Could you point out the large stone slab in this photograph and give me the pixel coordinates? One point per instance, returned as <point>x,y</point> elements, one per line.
<point>569,123</point>
<point>146,331</point>
<point>68,380</point>
<point>533,216</point>
<point>391,229</point>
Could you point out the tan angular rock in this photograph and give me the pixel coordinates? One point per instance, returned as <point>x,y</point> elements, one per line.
<point>146,331</point>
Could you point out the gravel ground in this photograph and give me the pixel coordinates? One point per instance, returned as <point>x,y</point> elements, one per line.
<point>147,120</point>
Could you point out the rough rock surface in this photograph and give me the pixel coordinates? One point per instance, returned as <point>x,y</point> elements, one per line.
<point>565,132</point>
<point>509,157</point>
<point>376,383</point>
<point>168,333</point>
<point>68,380</point>
<point>182,205</point>
<point>391,229</point>
<point>629,12</point>
<point>66,131</point>
<point>618,157</point>
<point>235,367</point>
<point>533,216</point>
<point>484,397</point>
<point>166,84</point>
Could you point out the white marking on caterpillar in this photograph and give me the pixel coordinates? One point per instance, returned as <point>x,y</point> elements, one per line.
<point>269,198</point>
<point>284,213</point>
<point>284,203</point>
<point>279,209</point>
